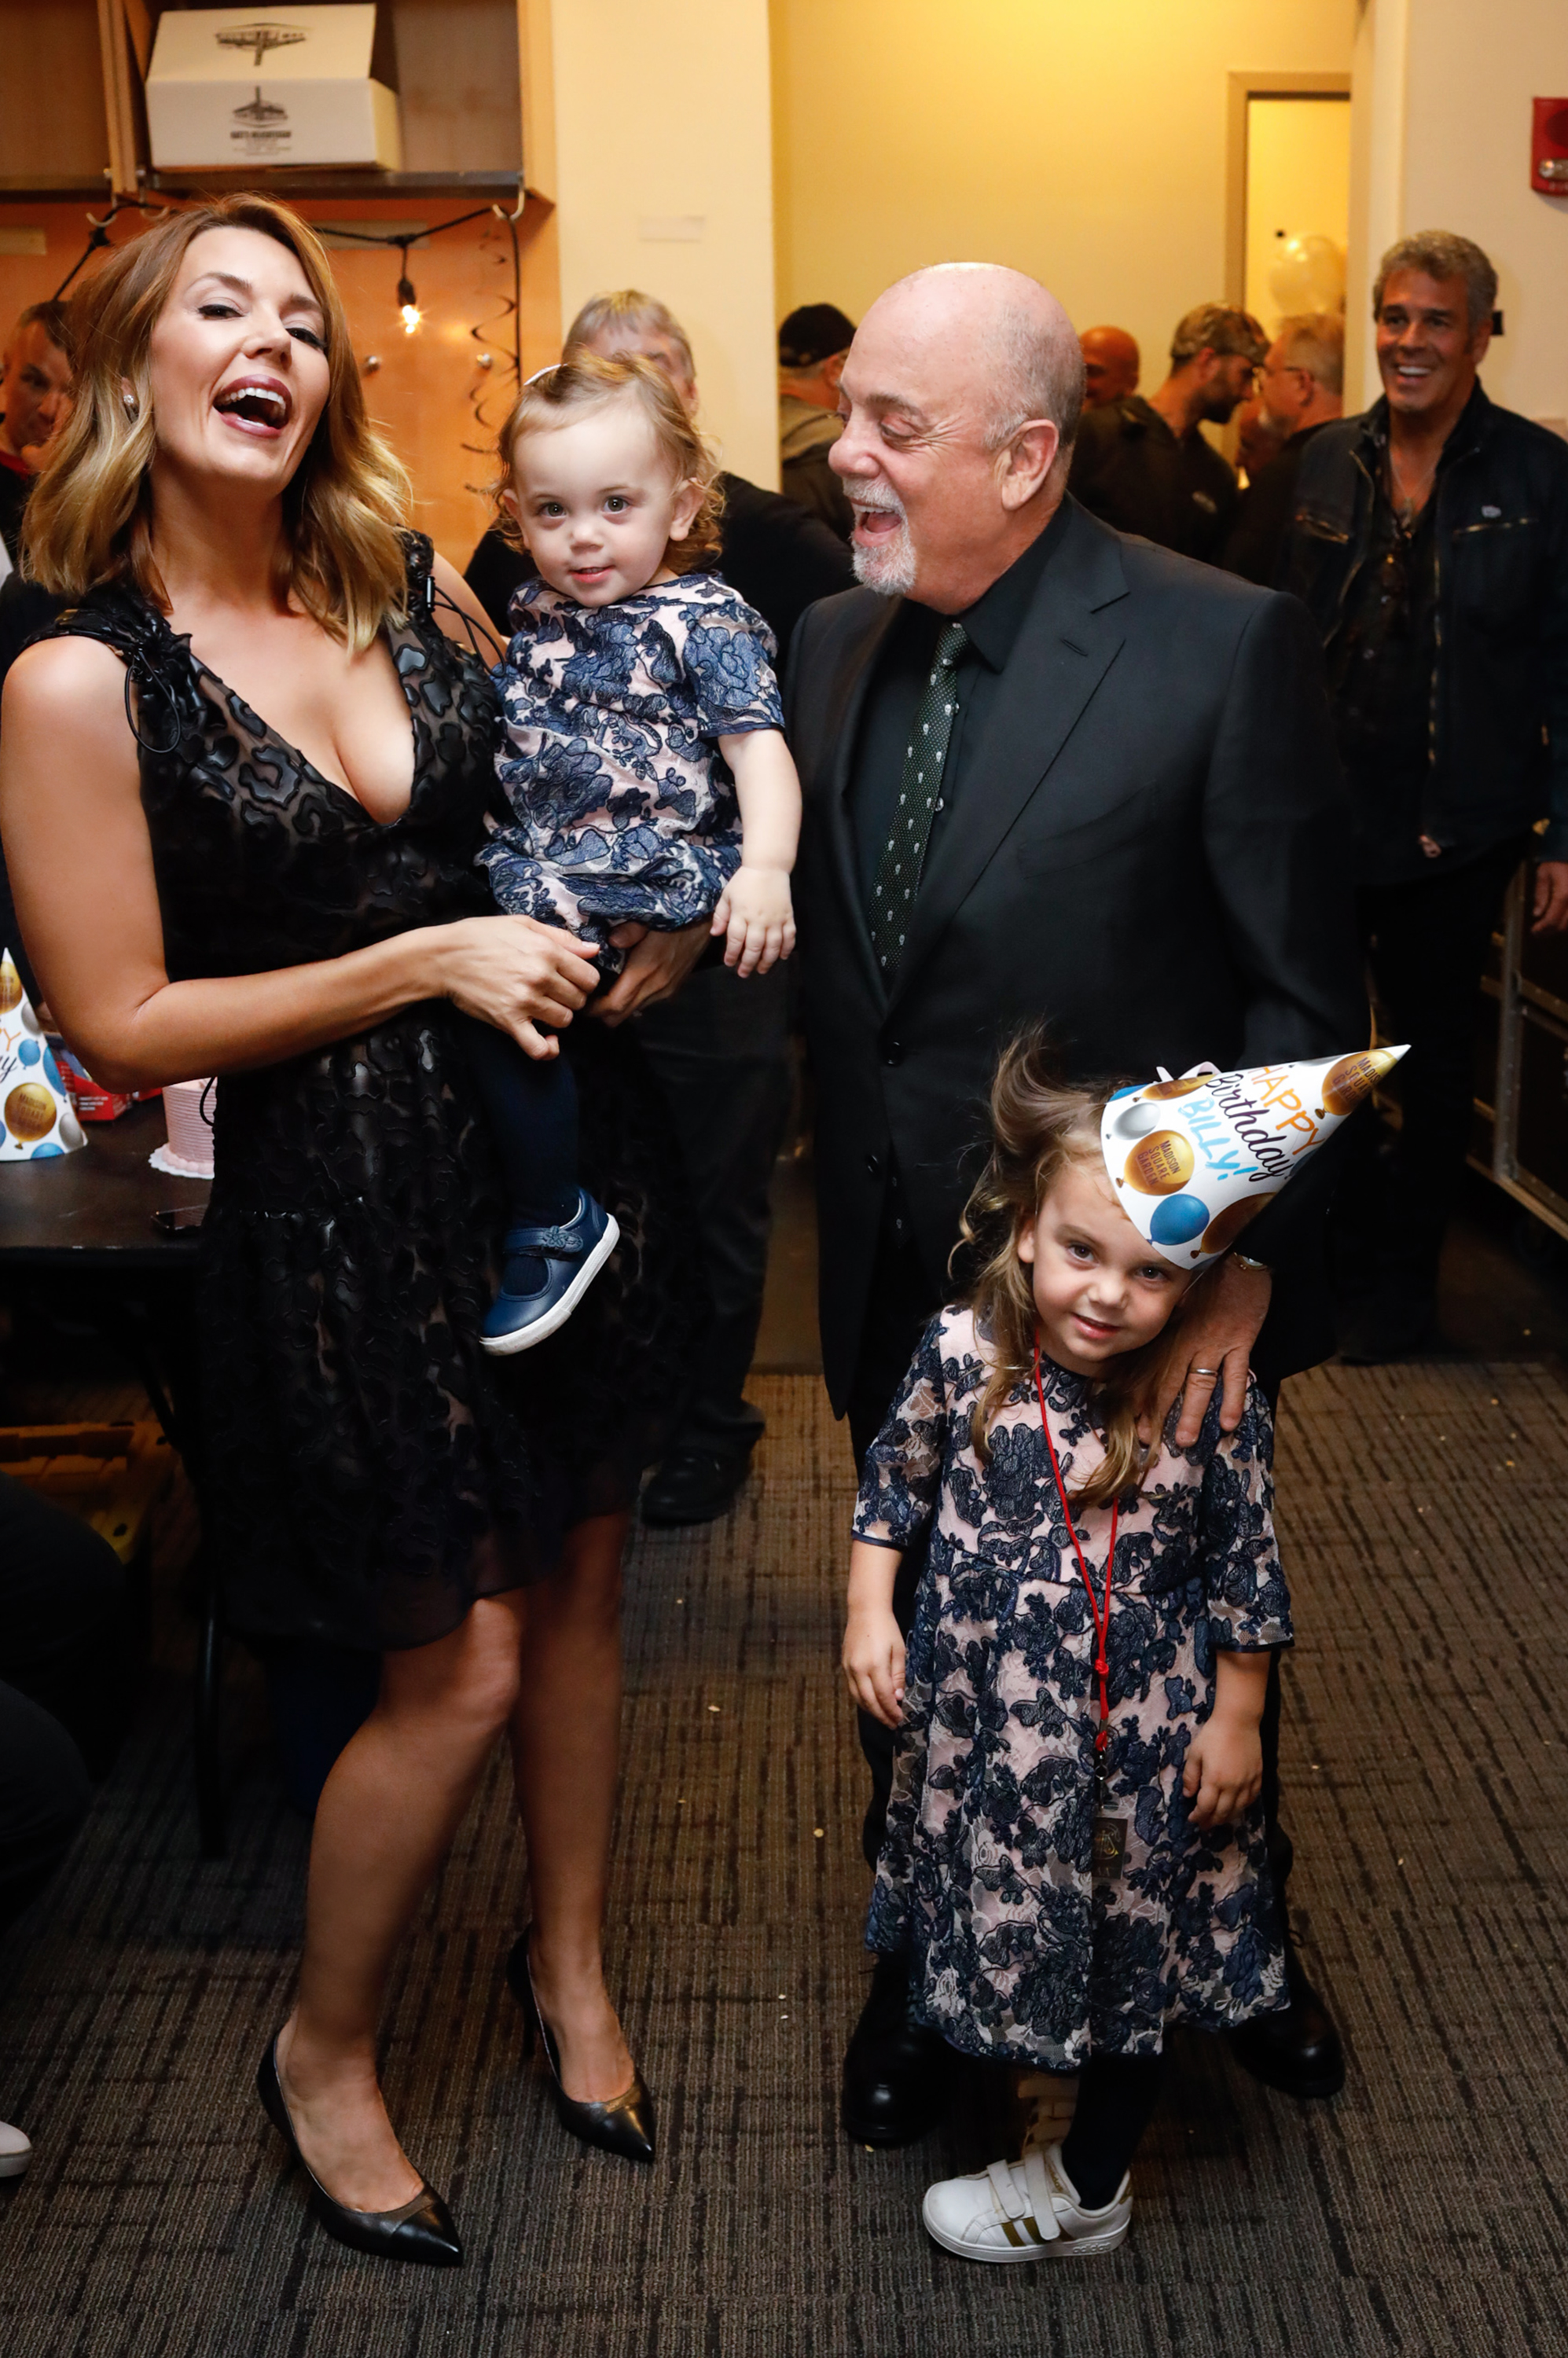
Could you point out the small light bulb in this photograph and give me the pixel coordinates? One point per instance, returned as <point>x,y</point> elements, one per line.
<point>411,315</point>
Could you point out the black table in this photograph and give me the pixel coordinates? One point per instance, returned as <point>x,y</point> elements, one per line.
<point>78,1239</point>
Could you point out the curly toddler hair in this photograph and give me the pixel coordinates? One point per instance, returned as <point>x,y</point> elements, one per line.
<point>557,396</point>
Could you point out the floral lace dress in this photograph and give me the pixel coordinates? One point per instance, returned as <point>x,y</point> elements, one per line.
<point>371,1471</point>
<point>1052,1913</point>
<point>624,808</point>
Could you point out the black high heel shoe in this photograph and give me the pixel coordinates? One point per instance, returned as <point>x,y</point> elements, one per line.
<point>625,2124</point>
<point>421,2229</point>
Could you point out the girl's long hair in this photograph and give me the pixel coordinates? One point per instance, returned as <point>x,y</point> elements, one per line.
<point>90,516</point>
<point>1039,1125</point>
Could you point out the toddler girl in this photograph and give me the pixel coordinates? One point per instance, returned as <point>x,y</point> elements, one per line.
<point>1074,1851</point>
<point>644,763</point>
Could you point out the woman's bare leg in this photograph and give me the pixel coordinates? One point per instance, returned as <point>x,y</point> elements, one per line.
<point>389,1810</point>
<point>565,1736</point>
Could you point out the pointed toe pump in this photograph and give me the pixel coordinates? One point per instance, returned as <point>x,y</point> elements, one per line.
<point>625,2124</point>
<point>420,2229</point>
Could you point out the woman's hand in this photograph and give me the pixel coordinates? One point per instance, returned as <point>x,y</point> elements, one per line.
<point>657,968</point>
<point>1224,1771</point>
<point>514,973</point>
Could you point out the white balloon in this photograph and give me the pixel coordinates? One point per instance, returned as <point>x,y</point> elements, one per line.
<point>1139,1119</point>
<point>1308,275</point>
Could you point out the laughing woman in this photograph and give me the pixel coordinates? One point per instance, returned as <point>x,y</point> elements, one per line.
<point>260,749</point>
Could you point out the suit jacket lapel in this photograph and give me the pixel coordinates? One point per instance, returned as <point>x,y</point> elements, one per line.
<point>842,726</point>
<point>1069,639</point>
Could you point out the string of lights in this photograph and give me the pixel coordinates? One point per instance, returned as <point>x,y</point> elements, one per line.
<point>396,241</point>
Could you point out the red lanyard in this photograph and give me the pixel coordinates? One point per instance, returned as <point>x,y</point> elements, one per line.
<point>1100,1612</point>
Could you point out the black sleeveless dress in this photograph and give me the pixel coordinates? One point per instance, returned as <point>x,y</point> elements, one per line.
<point>372,1470</point>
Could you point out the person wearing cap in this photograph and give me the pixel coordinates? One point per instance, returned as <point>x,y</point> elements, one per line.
<point>35,383</point>
<point>1047,771</point>
<point>1145,466</point>
<point>812,342</point>
<point>1300,391</point>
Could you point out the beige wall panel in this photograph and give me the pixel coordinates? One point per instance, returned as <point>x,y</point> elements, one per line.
<point>665,181</point>
<point>1084,144</point>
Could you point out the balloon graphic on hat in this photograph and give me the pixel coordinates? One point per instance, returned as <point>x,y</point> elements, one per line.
<point>1193,1160</point>
<point>38,1121</point>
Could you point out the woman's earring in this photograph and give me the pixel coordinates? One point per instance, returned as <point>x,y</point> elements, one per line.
<point>130,401</point>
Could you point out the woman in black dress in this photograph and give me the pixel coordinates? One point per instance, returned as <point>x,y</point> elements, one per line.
<point>242,787</point>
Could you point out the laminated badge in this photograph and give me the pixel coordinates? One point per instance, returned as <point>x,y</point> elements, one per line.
<point>1193,1160</point>
<point>37,1116</point>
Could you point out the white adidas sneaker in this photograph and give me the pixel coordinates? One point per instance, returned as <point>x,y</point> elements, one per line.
<point>1026,2209</point>
<point>16,2152</point>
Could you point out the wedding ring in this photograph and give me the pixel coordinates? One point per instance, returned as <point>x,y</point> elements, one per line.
<point>1203,1372</point>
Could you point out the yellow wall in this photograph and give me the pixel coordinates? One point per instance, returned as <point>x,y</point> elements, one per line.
<point>662,125</point>
<point>1443,97</point>
<point>1081,140</point>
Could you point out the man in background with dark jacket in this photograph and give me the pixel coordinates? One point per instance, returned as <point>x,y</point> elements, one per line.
<point>1430,541</point>
<point>1145,466</point>
<point>1300,391</point>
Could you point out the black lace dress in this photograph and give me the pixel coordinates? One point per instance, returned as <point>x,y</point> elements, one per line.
<point>372,1471</point>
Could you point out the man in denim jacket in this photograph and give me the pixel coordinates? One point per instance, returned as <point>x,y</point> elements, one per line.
<point>1430,541</point>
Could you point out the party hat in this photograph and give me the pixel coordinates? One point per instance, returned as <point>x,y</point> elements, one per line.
<point>36,1118</point>
<point>1193,1160</point>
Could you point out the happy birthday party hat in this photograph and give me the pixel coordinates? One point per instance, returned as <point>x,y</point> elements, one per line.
<point>1193,1160</point>
<point>36,1118</point>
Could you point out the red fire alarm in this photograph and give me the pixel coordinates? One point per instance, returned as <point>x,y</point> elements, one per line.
<point>1549,149</point>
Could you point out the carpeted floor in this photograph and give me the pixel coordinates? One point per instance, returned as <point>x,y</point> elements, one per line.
<point>1425,2211</point>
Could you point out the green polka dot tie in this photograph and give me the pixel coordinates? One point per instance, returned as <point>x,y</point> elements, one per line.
<point>919,800</point>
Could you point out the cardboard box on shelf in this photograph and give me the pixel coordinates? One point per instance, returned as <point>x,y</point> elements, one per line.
<point>249,89</point>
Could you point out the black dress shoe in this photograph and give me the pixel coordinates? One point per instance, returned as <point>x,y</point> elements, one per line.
<point>895,2070</point>
<point>420,2229</point>
<point>1298,2050</point>
<point>695,1486</point>
<point>625,2124</point>
<point>1388,1328</point>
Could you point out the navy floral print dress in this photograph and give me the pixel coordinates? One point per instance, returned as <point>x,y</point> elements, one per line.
<point>1030,1939</point>
<point>623,806</point>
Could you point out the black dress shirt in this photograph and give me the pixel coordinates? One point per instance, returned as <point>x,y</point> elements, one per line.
<point>1382,667</point>
<point>903,666</point>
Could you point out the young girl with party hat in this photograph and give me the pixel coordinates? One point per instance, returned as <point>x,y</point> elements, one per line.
<point>1075,1854</point>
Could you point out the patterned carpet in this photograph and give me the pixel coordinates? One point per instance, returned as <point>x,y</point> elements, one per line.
<point>1425,2211</point>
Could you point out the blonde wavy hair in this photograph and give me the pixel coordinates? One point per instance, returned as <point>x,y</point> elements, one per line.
<point>90,518</point>
<point>1039,1126</point>
<point>586,381</point>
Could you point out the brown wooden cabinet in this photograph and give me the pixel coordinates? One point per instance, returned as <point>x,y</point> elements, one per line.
<point>472,79</point>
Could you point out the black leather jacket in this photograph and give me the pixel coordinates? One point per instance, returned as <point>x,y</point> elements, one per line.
<point>1497,738</point>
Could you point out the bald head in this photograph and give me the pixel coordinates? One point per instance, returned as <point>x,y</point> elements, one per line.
<point>1112,365</point>
<point>1001,339</point>
<point>963,388</point>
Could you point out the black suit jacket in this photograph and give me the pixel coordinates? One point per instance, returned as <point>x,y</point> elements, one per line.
<point>1150,849</point>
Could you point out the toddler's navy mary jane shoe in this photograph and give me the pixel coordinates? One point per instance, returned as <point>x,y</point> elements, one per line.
<point>573,1254</point>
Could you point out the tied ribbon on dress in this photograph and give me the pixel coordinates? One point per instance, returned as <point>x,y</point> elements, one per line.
<point>1099,1614</point>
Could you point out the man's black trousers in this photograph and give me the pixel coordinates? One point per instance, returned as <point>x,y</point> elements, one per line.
<point>719,1050</point>
<point>1425,943</point>
<point>896,1316</point>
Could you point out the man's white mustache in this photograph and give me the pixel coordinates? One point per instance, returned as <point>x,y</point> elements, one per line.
<point>887,504</point>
